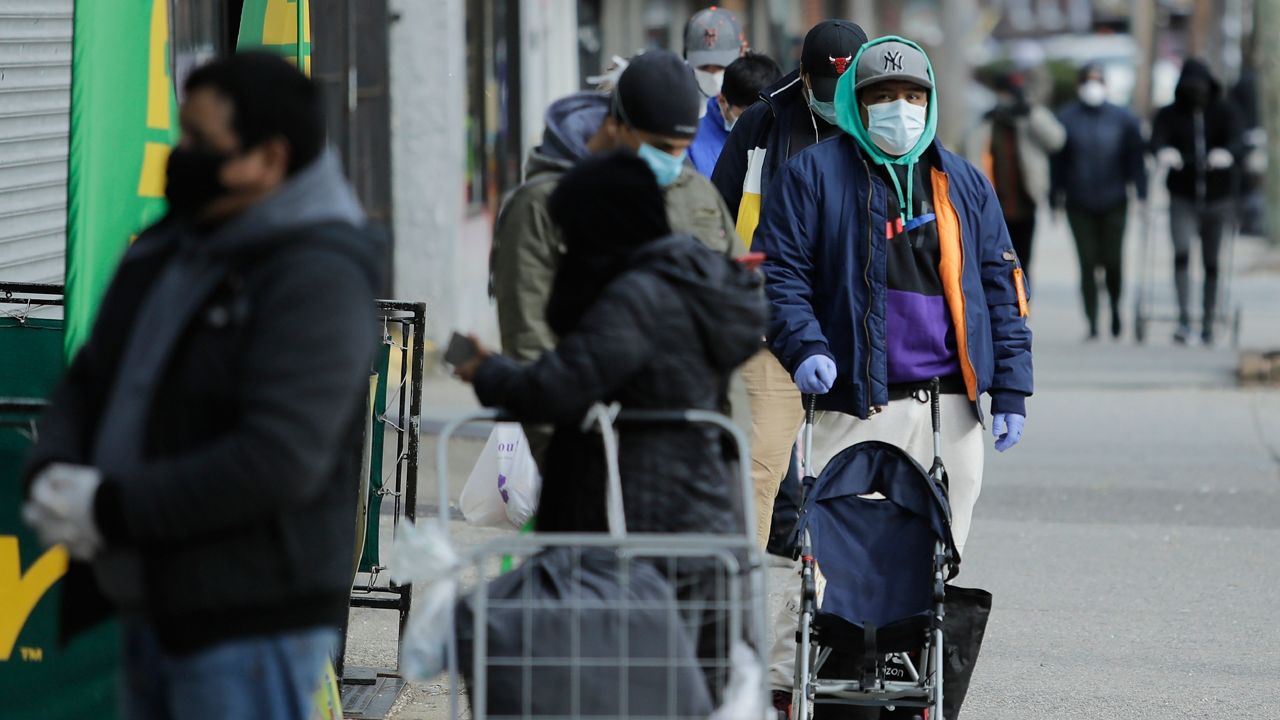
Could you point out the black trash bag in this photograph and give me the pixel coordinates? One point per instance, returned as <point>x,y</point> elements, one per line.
<point>963,628</point>
<point>786,512</point>
<point>632,647</point>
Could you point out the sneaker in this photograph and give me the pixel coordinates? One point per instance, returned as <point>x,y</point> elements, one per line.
<point>1117,327</point>
<point>1206,337</point>
<point>1182,335</point>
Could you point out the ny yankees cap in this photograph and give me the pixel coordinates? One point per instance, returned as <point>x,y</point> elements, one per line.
<point>893,61</point>
<point>828,51</point>
<point>712,37</point>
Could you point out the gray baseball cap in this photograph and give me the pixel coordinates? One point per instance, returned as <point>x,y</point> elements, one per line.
<point>712,37</point>
<point>892,60</point>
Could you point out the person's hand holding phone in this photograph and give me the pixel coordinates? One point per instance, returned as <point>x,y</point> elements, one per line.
<point>465,354</point>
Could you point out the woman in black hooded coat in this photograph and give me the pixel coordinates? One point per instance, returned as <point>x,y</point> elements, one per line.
<point>649,320</point>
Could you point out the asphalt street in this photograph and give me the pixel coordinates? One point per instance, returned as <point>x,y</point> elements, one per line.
<point>1130,541</point>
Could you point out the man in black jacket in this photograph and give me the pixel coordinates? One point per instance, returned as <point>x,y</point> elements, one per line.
<point>1198,139</point>
<point>194,458</point>
<point>796,112</point>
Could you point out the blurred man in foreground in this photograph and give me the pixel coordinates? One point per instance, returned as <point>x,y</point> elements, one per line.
<point>196,460</point>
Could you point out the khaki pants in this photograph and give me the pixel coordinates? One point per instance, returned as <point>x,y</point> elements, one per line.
<point>776,415</point>
<point>907,424</point>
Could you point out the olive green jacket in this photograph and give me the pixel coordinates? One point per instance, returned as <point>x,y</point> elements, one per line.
<point>527,247</point>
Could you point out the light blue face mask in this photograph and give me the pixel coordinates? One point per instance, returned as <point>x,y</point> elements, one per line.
<point>665,166</point>
<point>824,110</point>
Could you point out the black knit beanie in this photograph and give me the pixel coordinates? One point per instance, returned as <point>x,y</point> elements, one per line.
<point>658,93</point>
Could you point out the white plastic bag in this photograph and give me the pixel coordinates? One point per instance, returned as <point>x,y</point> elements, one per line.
<point>502,490</point>
<point>422,555</point>
<point>744,696</point>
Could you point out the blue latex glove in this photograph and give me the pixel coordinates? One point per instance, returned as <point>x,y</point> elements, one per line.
<point>1007,427</point>
<point>816,375</point>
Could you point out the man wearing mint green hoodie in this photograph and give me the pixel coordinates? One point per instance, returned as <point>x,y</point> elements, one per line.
<point>889,264</point>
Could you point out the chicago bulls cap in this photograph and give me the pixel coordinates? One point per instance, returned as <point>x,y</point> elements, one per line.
<point>712,37</point>
<point>828,51</point>
<point>893,61</point>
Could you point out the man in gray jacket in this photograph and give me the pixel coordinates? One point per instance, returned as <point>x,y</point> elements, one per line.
<point>196,460</point>
<point>1013,144</point>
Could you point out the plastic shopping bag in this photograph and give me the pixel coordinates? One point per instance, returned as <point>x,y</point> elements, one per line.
<point>744,697</point>
<point>503,488</point>
<point>423,556</point>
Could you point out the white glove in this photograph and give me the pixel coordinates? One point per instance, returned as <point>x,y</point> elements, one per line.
<point>61,508</point>
<point>1220,159</point>
<point>1170,158</point>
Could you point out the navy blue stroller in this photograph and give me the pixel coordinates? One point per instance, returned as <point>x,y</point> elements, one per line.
<point>875,544</point>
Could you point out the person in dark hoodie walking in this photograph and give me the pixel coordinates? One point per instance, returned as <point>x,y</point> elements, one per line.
<point>1091,176</point>
<point>1198,139</point>
<point>195,458</point>
<point>650,320</point>
<point>796,112</point>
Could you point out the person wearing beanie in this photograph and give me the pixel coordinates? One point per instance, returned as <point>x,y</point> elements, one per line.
<point>650,320</point>
<point>712,41</point>
<point>653,113</point>
<point>1091,178</point>
<point>888,264</point>
<point>793,113</point>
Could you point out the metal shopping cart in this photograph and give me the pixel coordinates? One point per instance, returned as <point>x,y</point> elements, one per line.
<point>617,635</point>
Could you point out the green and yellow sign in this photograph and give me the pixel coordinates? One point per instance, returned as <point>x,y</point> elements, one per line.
<point>277,25</point>
<point>124,119</point>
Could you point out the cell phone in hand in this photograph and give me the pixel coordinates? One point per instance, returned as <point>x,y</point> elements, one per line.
<point>461,350</point>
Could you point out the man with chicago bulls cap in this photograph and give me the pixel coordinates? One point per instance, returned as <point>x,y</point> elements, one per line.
<point>793,114</point>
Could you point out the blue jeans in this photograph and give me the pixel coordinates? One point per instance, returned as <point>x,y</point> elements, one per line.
<point>272,677</point>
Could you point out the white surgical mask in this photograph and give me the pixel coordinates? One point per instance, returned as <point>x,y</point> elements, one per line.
<point>1093,93</point>
<point>895,127</point>
<point>709,82</point>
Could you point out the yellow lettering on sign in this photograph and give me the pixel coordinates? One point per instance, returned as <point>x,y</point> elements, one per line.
<point>158,67</point>
<point>155,160</point>
<point>19,593</point>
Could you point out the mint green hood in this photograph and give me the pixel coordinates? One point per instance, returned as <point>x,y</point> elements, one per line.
<point>850,119</point>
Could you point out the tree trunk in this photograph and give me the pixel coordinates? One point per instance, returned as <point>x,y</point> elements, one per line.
<point>1267,27</point>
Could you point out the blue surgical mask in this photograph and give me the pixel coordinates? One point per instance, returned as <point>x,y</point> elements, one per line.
<point>824,110</point>
<point>895,127</point>
<point>665,166</point>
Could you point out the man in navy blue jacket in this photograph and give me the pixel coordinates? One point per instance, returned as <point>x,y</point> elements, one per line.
<point>889,264</point>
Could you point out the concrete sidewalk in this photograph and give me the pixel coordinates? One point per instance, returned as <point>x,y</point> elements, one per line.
<point>1128,541</point>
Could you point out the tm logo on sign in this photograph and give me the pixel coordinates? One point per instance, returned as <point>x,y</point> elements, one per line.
<point>21,592</point>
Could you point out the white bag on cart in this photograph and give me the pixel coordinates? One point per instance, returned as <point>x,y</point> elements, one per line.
<point>502,490</point>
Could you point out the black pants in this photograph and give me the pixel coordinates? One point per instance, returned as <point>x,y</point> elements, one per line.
<point>1022,231</point>
<point>1187,220</point>
<point>1100,246</point>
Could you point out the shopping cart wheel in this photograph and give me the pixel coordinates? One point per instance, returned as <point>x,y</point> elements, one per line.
<point>1235,327</point>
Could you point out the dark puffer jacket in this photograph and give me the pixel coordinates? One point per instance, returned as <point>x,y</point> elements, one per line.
<point>664,335</point>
